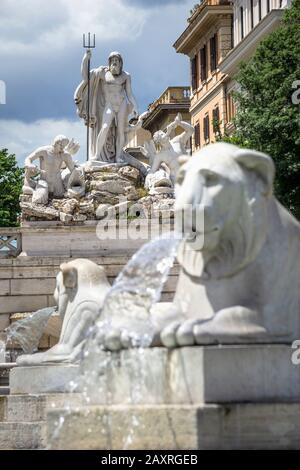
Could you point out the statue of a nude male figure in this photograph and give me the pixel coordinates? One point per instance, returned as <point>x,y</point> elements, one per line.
<point>111,102</point>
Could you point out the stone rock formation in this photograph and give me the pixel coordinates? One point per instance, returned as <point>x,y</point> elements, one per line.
<point>116,187</point>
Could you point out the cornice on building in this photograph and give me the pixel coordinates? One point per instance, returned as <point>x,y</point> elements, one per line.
<point>165,107</point>
<point>166,97</point>
<point>200,21</point>
<point>166,102</point>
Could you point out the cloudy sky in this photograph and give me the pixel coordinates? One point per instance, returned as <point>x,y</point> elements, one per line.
<point>41,52</point>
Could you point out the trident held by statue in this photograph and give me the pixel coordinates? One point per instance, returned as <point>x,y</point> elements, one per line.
<point>88,45</point>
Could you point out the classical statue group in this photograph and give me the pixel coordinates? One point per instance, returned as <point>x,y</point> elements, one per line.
<point>239,277</point>
<point>239,284</point>
<point>110,110</point>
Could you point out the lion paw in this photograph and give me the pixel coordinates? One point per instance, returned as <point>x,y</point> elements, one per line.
<point>119,338</point>
<point>183,334</point>
<point>113,340</point>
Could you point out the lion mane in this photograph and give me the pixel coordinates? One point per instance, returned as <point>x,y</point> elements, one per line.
<point>244,235</point>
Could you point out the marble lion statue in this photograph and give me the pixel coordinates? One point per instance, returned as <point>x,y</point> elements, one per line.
<point>81,287</point>
<point>240,266</point>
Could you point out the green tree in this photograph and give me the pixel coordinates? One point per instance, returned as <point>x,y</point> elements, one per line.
<point>11,180</point>
<point>267,119</point>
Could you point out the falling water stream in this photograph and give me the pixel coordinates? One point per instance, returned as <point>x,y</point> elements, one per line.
<point>127,309</point>
<point>28,331</point>
<point>2,351</point>
<point>138,287</point>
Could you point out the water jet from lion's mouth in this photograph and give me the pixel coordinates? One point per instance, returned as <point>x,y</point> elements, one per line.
<point>127,308</point>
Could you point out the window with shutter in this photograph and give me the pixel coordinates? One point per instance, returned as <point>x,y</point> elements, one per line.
<point>197,135</point>
<point>203,64</point>
<point>230,108</point>
<point>259,10</point>
<point>242,22</point>
<point>216,120</point>
<point>206,128</point>
<point>194,73</point>
<point>213,53</point>
<point>252,14</point>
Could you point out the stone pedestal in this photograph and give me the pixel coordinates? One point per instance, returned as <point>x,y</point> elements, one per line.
<point>212,397</point>
<point>192,375</point>
<point>91,238</point>
<point>50,378</point>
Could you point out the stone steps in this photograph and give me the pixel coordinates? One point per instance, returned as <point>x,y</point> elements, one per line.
<point>254,426</point>
<point>31,408</point>
<point>22,435</point>
<point>27,283</point>
<point>23,418</point>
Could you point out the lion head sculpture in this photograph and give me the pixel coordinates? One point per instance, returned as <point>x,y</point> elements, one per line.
<point>225,192</point>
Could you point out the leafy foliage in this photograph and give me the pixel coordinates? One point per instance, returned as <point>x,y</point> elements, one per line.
<point>267,119</point>
<point>11,180</point>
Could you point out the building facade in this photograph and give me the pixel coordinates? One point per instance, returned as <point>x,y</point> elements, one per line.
<point>174,100</point>
<point>249,13</point>
<point>220,34</point>
<point>206,41</point>
<point>253,20</point>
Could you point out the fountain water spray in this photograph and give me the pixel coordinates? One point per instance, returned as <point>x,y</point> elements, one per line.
<point>28,332</point>
<point>125,321</point>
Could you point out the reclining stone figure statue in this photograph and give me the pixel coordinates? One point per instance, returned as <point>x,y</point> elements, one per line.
<point>163,153</point>
<point>52,177</point>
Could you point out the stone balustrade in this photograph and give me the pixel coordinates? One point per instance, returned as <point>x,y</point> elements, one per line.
<point>10,242</point>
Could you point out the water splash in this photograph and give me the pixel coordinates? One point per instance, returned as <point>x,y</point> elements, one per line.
<point>2,351</point>
<point>127,308</point>
<point>138,287</point>
<point>28,332</point>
